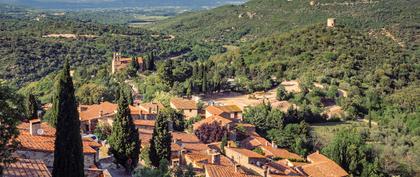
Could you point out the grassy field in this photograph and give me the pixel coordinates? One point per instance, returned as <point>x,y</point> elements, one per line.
<point>325,132</point>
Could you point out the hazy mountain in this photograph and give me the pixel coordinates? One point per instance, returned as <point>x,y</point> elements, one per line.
<point>82,4</point>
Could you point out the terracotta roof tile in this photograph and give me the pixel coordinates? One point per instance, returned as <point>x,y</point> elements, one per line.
<point>253,141</point>
<point>45,142</point>
<point>184,104</point>
<point>217,110</point>
<point>96,111</point>
<point>322,166</point>
<point>26,168</point>
<point>223,121</point>
<point>246,152</point>
<point>224,171</point>
<point>151,108</point>
<point>149,123</point>
<point>278,152</point>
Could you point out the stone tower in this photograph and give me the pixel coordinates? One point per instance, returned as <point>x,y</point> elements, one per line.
<point>115,61</point>
<point>331,22</point>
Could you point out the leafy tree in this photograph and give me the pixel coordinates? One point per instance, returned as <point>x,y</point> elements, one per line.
<point>103,131</point>
<point>161,171</point>
<point>68,151</point>
<point>160,144</point>
<point>91,93</point>
<point>32,106</point>
<point>9,118</point>
<point>332,92</point>
<point>210,132</point>
<point>292,136</point>
<point>352,153</point>
<point>124,140</point>
<point>176,117</point>
<point>190,171</point>
<point>264,117</point>
<point>144,155</point>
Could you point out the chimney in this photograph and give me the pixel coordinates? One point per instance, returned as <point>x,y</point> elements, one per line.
<point>215,158</point>
<point>101,113</point>
<point>150,110</point>
<point>236,167</point>
<point>266,143</point>
<point>266,171</point>
<point>273,144</point>
<point>34,126</point>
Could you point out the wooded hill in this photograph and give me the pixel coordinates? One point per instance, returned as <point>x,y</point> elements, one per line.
<point>28,54</point>
<point>258,18</point>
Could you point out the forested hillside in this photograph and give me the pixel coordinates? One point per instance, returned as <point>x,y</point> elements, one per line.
<point>258,18</point>
<point>28,53</point>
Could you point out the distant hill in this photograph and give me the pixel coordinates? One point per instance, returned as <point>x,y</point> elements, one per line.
<point>83,4</point>
<point>258,18</point>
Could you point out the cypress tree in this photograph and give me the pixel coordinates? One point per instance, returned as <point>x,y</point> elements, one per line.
<point>32,106</point>
<point>160,144</point>
<point>124,140</point>
<point>224,143</point>
<point>68,153</point>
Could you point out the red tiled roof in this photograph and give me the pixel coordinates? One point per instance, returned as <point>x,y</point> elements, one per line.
<point>246,152</point>
<point>224,171</point>
<point>96,111</point>
<point>26,168</point>
<point>145,136</point>
<point>223,121</point>
<point>322,166</point>
<point>253,141</point>
<point>278,152</point>
<point>45,142</point>
<point>149,123</point>
<point>154,107</point>
<point>217,110</point>
<point>184,104</point>
<point>189,141</point>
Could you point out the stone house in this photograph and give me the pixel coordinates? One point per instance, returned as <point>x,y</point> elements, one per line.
<point>37,142</point>
<point>188,107</point>
<point>232,112</point>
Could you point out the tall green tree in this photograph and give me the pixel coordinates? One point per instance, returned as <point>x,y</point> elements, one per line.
<point>9,118</point>
<point>32,107</point>
<point>160,144</point>
<point>68,153</point>
<point>351,152</point>
<point>124,140</point>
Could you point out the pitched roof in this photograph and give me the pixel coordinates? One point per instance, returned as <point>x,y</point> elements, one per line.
<point>145,136</point>
<point>45,142</point>
<point>254,140</point>
<point>26,168</point>
<point>246,152</point>
<point>278,152</point>
<point>149,123</point>
<point>183,104</point>
<point>223,121</point>
<point>189,141</point>
<point>322,166</point>
<point>224,171</point>
<point>217,110</point>
<point>95,111</point>
<point>151,107</point>
<point>89,112</point>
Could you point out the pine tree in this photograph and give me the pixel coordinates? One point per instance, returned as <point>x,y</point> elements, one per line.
<point>68,153</point>
<point>160,144</point>
<point>32,106</point>
<point>152,66</point>
<point>124,140</point>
